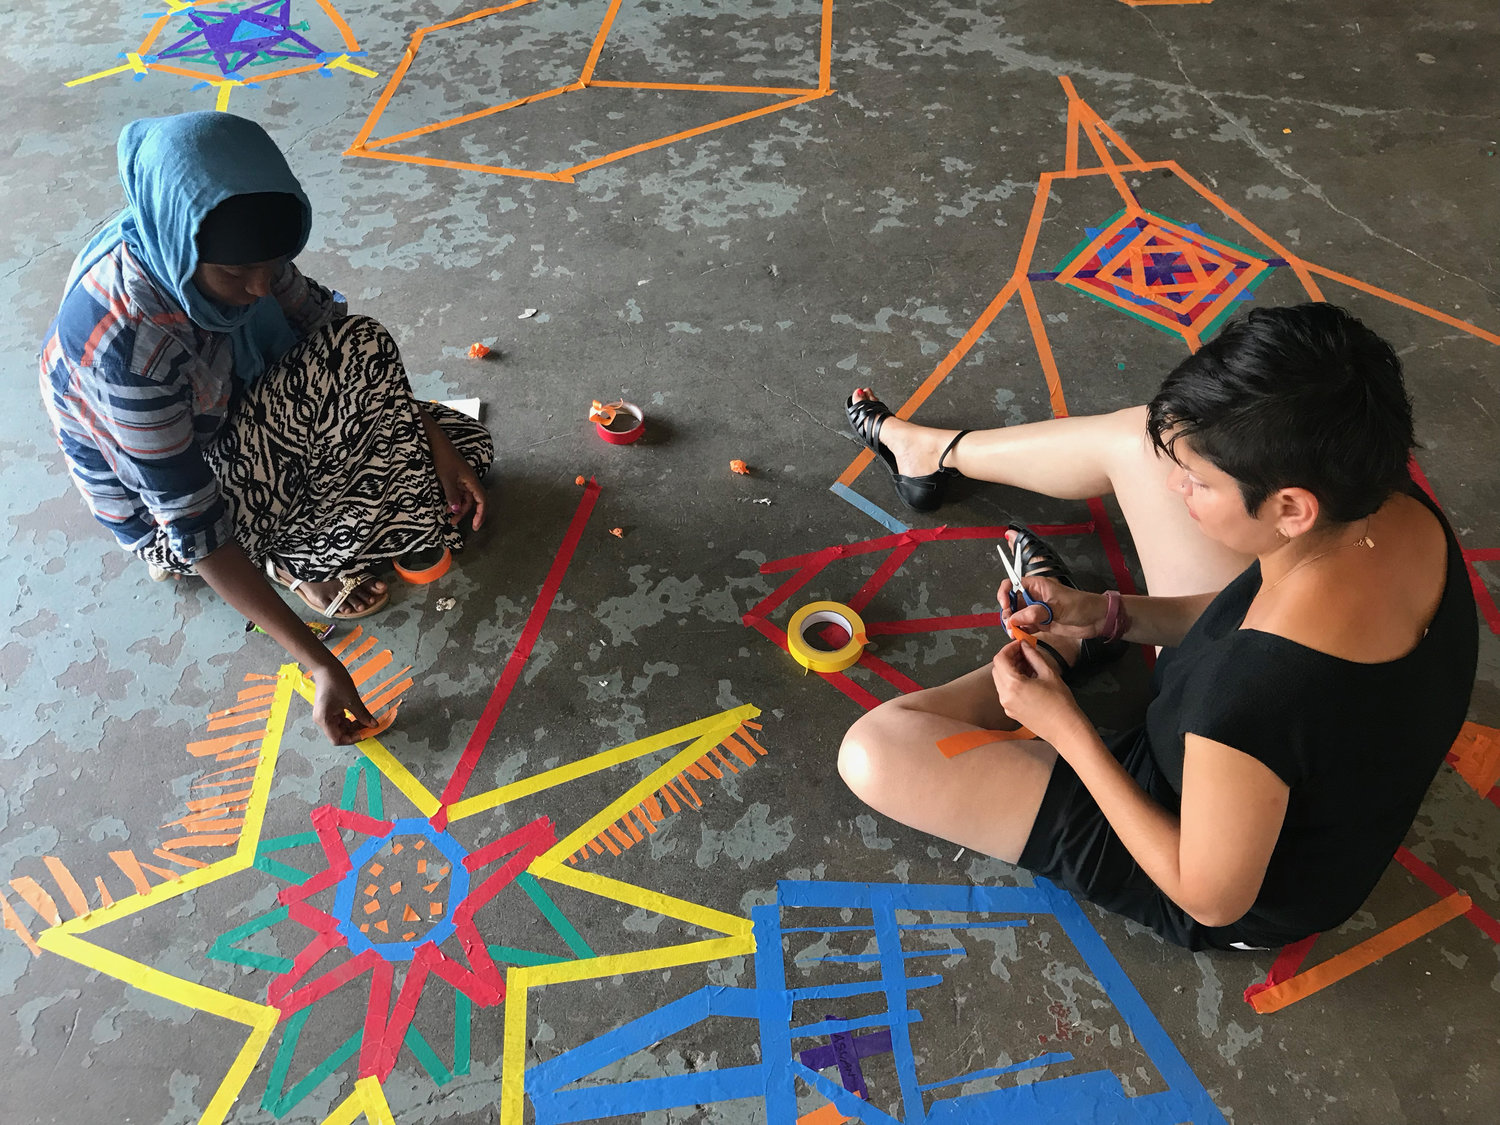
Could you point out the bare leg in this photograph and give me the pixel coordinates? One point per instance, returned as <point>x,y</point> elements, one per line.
<point>1077,458</point>
<point>986,799</point>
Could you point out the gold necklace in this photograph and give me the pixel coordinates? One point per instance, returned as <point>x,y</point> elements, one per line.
<point>1363,541</point>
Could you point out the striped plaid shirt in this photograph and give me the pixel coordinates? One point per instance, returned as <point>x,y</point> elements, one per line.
<point>133,388</point>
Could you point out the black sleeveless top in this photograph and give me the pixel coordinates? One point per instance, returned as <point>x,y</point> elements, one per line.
<point>1357,744</point>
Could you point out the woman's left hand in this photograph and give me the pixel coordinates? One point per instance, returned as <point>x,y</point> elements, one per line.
<point>1032,691</point>
<point>461,488</point>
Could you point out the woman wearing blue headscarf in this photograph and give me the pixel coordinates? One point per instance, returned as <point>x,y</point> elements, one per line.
<point>222,415</point>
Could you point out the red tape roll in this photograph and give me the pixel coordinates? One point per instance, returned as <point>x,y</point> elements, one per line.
<point>623,437</point>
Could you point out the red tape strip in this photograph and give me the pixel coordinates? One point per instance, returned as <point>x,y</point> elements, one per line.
<point>469,760</point>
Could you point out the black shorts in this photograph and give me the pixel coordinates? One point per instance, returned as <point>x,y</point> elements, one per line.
<point>1072,844</point>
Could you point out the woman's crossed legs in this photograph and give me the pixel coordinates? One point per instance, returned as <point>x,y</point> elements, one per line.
<point>987,798</point>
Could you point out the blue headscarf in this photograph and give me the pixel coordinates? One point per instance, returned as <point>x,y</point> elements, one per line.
<point>175,171</point>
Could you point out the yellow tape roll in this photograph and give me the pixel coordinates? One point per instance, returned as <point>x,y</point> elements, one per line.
<point>820,613</point>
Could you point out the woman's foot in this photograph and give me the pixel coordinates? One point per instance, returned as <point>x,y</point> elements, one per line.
<point>917,449</point>
<point>364,598</point>
<point>341,599</point>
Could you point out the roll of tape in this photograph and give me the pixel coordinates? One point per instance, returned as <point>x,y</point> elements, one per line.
<point>611,431</point>
<point>825,613</point>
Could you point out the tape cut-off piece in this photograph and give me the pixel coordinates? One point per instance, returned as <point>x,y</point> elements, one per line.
<point>618,423</point>
<point>962,743</point>
<point>422,567</point>
<point>822,659</point>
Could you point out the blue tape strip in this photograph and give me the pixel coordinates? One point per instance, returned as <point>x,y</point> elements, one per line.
<point>855,988</point>
<point>849,1104</point>
<point>893,977</point>
<point>865,958</point>
<point>774,1009</point>
<point>960,899</point>
<point>880,1019</point>
<point>903,928</point>
<point>638,1034</point>
<point>879,515</point>
<point>1196,1105</point>
<point>1029,1064</point>
<point>594,1103</point>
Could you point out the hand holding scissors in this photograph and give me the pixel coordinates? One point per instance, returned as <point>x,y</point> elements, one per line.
<point>1019,598</point>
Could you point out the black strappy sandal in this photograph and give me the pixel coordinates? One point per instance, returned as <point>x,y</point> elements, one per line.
<point>922,494</point>
<point>1035,558</point>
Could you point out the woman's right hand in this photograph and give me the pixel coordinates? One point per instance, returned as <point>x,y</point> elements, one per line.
<point>1074,612</point>
<point>334,694</point>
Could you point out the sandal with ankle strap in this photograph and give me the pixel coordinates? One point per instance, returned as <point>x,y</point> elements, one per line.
<point>922,494</point>
<point>347,586</point>
<point>1035,558</point>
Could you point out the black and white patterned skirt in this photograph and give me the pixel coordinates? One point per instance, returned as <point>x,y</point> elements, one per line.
<point>324,464</point>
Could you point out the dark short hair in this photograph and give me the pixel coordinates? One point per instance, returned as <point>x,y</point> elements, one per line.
<point>1297,397</point>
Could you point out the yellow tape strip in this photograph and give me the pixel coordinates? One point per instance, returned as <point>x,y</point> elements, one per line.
<point>399,776</point>
<point>513,1053</point>
<point>559,852</point>
<point>644,960</point>
<point>344,62</point>
<point>99,74</point>
<point>377,1109</point>
<point>603,760</point>
<point>221,103</point>
<point>239,1071</point>
<point>632,895</point>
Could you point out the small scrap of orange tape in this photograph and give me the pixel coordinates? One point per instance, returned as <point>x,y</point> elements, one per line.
<point>605,414</point>
<point>617,532</point>
<point>956,744</point>
<point>478,351</point>
<point>738,466</point>
<point>578,480</point>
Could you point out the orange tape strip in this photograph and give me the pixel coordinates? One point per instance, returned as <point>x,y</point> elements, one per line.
<point>933,381</point>
<point>14,924</point>
<point>703,87</point>
<point>162,871</point>
<point>701,129</point>
<point>1367,952</point>
<point>262,691</point>
<point>105,898</point>
<point>477,115</point>
<point>829,1114</point>
<point>598,47</point>
<point>348,660</point>
<point>238,720</point>
<point>38,899</point>
<point>1044,351</point>
<point>172,857</point>
<point>825,51</point>
<point>338,21</point>
<point>1405,303</point>
<point>963,742</point>
<point>367,670</point>
<point>224,742</point>
<point>67,884</point>
<point>1476,756</point>
<point>238,708</point>
<point>460,165</point>
<point>354,635</point>
<point>127,863</point>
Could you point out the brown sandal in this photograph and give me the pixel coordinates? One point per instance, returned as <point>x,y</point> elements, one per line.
<point>348,585</point>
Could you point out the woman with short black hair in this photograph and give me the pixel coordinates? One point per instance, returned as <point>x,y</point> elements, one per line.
<point>1319,638</point>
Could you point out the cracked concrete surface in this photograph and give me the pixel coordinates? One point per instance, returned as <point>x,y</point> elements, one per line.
<point>737,286</point>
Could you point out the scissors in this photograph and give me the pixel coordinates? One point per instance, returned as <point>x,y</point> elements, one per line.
<point>1019,598</point>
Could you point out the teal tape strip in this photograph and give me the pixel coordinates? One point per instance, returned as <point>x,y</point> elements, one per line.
<point>224,947</point>
<point>513,956</point>
<point>463,1011</point>
<point>281,870</point>
<point>374,795</point>
<point>278,1102</point>
<point>528,883</point>
<point>427,1057</point>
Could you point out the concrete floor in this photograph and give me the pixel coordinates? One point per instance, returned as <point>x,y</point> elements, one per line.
<point>735,284</point>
